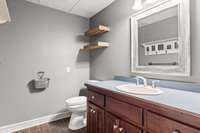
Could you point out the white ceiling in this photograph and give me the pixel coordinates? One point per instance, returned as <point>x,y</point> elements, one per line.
<point>85,8</point>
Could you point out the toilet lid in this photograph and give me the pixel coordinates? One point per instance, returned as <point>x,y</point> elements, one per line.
<point>76,101</point>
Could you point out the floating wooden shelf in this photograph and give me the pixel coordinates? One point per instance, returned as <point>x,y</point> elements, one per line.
<point>97,30</point>
<point>96,45</point>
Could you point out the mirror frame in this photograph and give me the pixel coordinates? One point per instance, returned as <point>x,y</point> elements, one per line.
<point>183,69</point>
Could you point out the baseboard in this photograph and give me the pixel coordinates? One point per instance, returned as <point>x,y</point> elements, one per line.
<point>30,123</point>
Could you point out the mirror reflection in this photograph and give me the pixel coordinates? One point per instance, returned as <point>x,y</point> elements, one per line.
<point>158,39</point>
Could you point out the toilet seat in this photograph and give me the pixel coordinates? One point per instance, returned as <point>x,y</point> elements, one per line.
<point>76,101</point>
<point>78,106</point>
<point>75,108</point>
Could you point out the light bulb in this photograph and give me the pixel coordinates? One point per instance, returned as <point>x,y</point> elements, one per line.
<point>151,1</point>
<point>137,5</point>
<point>4,14</point>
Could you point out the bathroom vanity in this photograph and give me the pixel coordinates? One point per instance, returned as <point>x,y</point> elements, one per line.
<point>112,111</point>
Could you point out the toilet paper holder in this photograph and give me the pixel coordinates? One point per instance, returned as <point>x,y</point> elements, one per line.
<point>41,82</point>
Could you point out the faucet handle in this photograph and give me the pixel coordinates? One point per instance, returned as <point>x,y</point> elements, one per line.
<point>142,78</point>
<point>154,83</point>
<point>137,80</point>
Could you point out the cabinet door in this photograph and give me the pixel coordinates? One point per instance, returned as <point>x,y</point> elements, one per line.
<point>90,120</point>
<point>158,124</point>
<point>95,119</point>
<point>128,128</point>
<point>112,123</point>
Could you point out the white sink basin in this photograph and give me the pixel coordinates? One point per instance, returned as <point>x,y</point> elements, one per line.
<point>139,89</point>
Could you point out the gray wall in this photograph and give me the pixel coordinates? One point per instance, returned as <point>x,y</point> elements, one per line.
<point>115,60</point>
<point>39,38</point>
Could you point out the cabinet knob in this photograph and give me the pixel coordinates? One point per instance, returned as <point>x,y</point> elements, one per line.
<point>176,131</point>
<point>121,129</point>
<point>93,97</point>
<point>93,111</point>
<point>115,127</point>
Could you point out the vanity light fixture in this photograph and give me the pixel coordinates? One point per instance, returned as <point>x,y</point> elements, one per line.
<point>137,5</point>
<point>4,13</point>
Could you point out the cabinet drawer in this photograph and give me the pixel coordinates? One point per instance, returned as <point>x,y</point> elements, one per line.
<point>96,98</point>
<point>125,111</point>
<point>157,124</point>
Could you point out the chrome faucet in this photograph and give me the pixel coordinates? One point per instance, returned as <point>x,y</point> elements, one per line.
<point>142,78</point>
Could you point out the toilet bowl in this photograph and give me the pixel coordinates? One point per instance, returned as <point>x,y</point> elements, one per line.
<point>77,106</point>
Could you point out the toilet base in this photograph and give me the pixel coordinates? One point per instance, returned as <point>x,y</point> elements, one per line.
<point>77,121</point>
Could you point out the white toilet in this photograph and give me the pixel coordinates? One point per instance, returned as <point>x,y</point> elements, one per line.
<point>77,106</point>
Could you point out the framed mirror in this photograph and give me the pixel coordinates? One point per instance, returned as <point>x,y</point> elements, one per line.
<point>161,39</point>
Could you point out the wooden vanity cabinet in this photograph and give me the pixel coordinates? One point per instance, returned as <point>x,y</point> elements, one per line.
<point>95,119</point>
<point>158,124</point>
<point>117,125</point>
<point>96,98</point>
<point>128,112</point>
<point>126,127</point>
<point>111,123</point>
<point>113,112</point>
